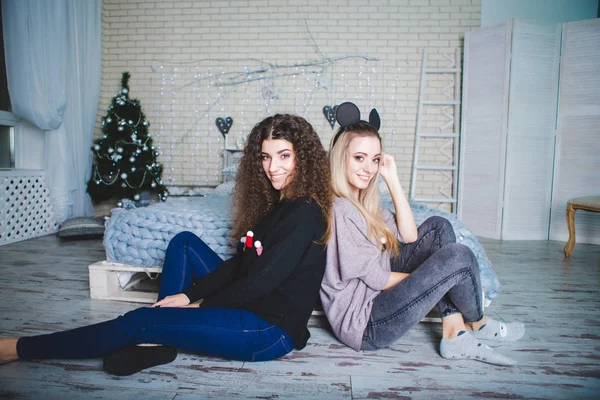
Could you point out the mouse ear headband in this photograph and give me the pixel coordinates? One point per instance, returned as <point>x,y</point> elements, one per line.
<point>348,114</point>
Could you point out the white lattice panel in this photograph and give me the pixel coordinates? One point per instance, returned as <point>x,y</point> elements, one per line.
<point>25,210</point>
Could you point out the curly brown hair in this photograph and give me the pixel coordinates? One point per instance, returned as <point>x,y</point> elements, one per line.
<point>254,195</point>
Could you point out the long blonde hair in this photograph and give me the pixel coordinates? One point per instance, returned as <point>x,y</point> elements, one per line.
<point>369,201</point>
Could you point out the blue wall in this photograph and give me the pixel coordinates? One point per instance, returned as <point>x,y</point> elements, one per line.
<point>496,11</point>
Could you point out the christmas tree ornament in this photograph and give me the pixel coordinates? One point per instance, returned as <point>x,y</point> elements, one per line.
<point>132,159</point>
<point>123,175</point>
<point>136,197</point>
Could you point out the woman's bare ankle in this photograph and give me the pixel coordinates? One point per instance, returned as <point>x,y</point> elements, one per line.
<point>452,325</point>
<point>475,326</point>
<point>8,350</point>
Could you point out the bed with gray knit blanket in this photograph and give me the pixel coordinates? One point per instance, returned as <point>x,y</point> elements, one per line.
<point>139,236</point>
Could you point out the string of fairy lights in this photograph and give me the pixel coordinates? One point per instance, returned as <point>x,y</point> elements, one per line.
<point>187,139</point>
<point>192,95</point>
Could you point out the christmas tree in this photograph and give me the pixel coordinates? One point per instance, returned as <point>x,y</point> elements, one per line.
<point>125,162</point>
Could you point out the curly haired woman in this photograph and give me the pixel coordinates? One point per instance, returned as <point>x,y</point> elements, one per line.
<point>255,305</point>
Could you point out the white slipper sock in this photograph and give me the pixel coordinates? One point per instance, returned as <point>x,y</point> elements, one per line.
<point>465,346</point>
<point>500,331</point>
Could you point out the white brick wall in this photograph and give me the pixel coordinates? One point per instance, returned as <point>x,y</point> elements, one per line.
<point>193,36</point>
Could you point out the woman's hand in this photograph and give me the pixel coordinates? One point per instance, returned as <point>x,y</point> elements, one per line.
<point>177,300</point>
<point>387,168</point>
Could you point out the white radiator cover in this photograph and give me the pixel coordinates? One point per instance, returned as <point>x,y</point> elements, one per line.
<point>25,209</point>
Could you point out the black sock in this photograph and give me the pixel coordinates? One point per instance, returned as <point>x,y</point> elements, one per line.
<point>133,359</point>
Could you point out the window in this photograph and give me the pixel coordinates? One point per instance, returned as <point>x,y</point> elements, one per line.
<point>7,146</point>
<point>4,96</point>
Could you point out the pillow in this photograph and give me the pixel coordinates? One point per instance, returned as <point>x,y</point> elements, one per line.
<point>81,227</point>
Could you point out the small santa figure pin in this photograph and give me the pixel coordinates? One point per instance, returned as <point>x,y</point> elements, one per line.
<point>383,241</point>
<point>259,247</point>
<point>249,237</point>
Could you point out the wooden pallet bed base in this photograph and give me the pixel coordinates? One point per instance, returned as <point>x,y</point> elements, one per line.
<point>104,282</point>
<point>104,285</point>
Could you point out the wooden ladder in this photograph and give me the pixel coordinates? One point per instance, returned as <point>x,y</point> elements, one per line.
<point>449,170</point>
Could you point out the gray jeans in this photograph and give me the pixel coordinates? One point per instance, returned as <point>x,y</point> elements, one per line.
<point>441,272</point>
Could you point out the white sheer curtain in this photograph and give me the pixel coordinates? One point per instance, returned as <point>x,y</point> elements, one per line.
<point>53,60</point>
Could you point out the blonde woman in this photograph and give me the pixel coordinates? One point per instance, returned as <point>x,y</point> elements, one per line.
<point>383,275</point>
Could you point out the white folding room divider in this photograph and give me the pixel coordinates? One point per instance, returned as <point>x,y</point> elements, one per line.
<point>577,168</point>
<point>508,129</point>
<point>486,68</point>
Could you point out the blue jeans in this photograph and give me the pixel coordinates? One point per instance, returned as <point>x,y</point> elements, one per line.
<point>441,272</point>
<point>235,334</point>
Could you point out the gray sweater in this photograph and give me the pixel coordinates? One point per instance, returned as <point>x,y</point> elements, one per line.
<point>356,272</point>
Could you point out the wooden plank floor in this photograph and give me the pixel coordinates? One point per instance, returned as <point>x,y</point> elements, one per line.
<point>44,288</point>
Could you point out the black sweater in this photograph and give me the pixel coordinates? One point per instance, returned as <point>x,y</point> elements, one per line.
<point>281,285</point>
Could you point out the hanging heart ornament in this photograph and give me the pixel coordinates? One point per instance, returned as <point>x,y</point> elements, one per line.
<point>329,112</point>
<point>224,125</point>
